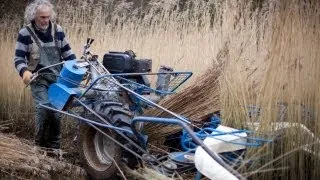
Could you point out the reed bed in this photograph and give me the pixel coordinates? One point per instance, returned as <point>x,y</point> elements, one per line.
<point>266,52</point>
<point>281,88</point>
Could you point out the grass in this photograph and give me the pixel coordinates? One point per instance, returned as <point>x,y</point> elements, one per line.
<point>268,52</point>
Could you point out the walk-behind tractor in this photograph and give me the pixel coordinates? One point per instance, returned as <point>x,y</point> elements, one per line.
<point>109,99</point>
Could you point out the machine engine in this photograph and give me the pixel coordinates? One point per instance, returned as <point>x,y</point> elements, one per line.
<point>126,62</point>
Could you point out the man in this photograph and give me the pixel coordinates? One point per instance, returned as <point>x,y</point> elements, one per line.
<point>42,43</point>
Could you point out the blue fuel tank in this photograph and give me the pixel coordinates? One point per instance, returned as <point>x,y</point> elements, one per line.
<point>71,75</point>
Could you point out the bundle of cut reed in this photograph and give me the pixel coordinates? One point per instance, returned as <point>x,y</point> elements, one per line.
<point>197,102</point>
<point>143,173</point>
<point>21,160</point>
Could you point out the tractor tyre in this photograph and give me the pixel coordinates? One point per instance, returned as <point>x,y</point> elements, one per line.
<point>99,153</point>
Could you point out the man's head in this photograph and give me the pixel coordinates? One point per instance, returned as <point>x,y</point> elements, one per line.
<point>43,16</point>
<point>40,11</point>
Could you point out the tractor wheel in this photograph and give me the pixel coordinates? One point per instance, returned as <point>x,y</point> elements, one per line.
<point>99,153</point>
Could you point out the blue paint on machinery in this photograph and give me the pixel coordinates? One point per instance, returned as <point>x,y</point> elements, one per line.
<point>59,95</point>
<point>71,75</point>
<point>67,84</point>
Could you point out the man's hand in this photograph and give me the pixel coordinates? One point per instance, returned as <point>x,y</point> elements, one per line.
<point>26,77</point>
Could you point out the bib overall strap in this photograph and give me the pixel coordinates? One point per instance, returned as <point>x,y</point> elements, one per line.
<point>56,39</point>
<point>34,37</point>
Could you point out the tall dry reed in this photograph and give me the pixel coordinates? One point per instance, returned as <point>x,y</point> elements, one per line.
<point>268,51</point>
<point>274,69</point>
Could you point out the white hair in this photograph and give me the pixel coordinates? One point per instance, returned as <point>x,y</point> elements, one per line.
<point>31,10</point>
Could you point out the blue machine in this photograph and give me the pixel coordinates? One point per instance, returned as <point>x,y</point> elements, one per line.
<point>67,84</point>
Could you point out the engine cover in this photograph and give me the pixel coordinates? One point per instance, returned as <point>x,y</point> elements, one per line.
<point>118,62</point>
<point>124,62</point>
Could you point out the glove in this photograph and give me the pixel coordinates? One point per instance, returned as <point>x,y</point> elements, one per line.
<point>26,77</point>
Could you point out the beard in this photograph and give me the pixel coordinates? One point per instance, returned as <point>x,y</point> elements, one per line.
<point>44,27</point>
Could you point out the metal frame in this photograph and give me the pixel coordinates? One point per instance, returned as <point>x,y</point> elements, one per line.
<point>176,120</point>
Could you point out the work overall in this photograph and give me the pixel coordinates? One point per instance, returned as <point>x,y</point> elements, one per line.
<point>47,129</point>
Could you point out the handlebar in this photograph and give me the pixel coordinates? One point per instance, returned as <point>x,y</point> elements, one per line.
<point>86,48</point>
<point>36,74</point>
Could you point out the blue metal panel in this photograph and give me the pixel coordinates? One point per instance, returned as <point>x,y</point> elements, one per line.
<point>71,75</point>
<point>59,95</point>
